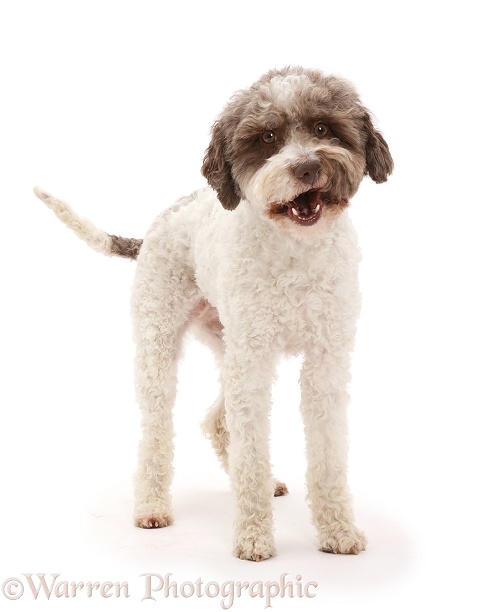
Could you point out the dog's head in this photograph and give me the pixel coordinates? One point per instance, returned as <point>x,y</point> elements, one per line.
<point>296,145</point>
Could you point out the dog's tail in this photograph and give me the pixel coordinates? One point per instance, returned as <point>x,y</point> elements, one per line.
<point>97,239</point>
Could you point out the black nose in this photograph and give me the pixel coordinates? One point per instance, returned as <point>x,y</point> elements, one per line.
<point>308,171</point>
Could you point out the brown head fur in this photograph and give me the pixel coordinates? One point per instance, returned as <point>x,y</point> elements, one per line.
<point>236,148</point>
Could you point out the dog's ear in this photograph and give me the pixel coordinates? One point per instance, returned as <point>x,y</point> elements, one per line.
<point>379,163</point>
<point>218,170</point>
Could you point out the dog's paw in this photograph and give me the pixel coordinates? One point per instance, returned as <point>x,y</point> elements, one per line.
<point>153,521</point>
<point>259,548</point>
<point>345,540</point>
<point>280,489</point>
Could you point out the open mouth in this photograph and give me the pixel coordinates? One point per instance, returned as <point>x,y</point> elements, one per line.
<point>305,209</point>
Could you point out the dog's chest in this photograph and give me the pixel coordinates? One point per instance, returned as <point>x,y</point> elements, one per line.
<point>301,302</point>
<point>271,290</point>
<point>288,302</point>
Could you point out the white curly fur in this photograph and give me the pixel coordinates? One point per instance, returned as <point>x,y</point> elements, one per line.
<point>273,294</point>
<point>254,283</point>
<point>97,239</point>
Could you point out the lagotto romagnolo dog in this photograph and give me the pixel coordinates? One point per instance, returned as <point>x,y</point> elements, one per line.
<point>261,262</point>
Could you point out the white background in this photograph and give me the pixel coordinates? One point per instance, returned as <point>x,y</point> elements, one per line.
<point>108,105</point>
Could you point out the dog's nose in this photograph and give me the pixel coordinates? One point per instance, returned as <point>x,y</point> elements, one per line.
<point>308,171</point>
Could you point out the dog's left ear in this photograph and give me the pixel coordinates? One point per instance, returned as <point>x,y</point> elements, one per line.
<point>218,170</point>
<point>379,163</point>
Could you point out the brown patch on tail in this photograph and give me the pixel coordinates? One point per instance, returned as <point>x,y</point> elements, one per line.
<point>125,247</point>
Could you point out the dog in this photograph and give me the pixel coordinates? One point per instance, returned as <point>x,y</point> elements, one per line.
<point>262,261</point>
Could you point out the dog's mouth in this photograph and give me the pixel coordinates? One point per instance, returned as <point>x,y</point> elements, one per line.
<point>305,209</point>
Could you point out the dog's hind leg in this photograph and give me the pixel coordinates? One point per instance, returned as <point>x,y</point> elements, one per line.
<point>207,328</point>
<point>215,429</point>
<point>163,297</point>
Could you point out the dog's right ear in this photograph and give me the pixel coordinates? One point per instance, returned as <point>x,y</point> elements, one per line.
<point>218,170</point>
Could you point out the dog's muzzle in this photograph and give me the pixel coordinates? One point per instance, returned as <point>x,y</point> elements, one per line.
<point>306,208</point>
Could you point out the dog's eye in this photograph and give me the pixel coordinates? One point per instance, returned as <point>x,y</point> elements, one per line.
<point>268,137</point>
<point>321,130</point>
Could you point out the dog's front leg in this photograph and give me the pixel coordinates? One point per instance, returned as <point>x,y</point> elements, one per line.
<point>247,385</point>
<point>324,381</point>
<point>163,297</point>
